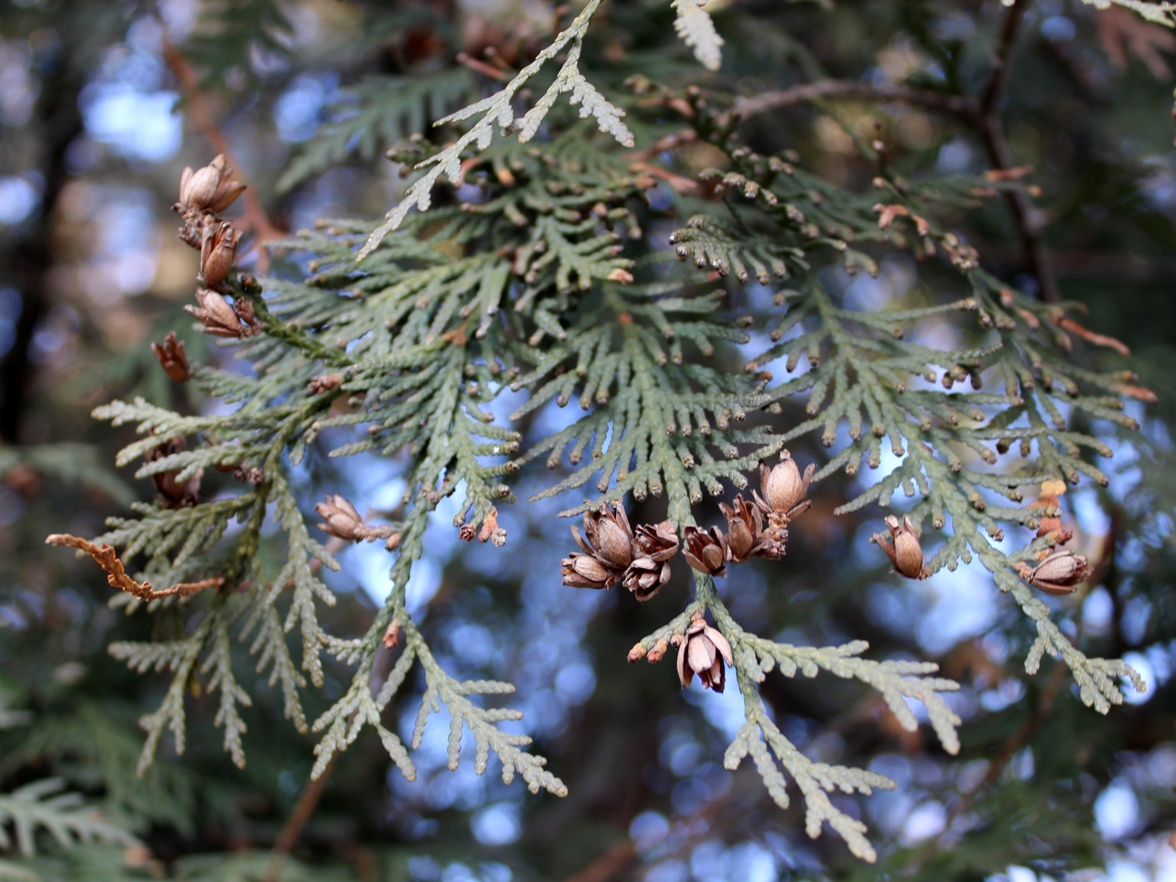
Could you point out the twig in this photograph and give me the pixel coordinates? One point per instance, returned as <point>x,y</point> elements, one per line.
<point>299,816</point>
<point>1016,741</point>
<point>483,68</point>
<point>995,90</point>
<point>255,218</point>
<point>987,120</point>
<point>669,142</point>
<point>608,865</point>
<point>678,183</point>
<point>106,557</point>
<point>958,105</point>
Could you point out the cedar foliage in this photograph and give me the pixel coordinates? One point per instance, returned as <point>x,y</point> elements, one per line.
<point>622,263</point>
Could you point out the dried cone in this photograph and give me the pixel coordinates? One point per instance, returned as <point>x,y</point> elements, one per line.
<point>902,547</point>
<point>175,494</point>
<point>745,533</point>
<point>608,550</point>
<point>654,545</point>
<point>702,651</point>
<point>1060,573</point>
<point>209,188</point>
<point>645,577</point>
<point>706,550</point>
<point>610,535</point>
<point>783,487</point>
<point>586,571</point>
<point>215,315</point>
<point>249,323</point>
<point>341,520</point>
<point>218,249</point>
<point>172,358</point>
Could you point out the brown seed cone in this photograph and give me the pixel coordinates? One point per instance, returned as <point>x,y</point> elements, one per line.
<point>703,651</point>
<point>902,547</point>
<point>656,541</point>
<point>645,577</point>
<point>174,493</point>
<point>587,571</point>
<point>209,188</point>
<point>341,520</point>
<point>746,536</point>
<point>172,358</point>
<point>706,550</point>
<point>218,249</point>
<point>1060,573</point>
<point>215,314</point>
<point>783,487</point>
<point>609,535</point>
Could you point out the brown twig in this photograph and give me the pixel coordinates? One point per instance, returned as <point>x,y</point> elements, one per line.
<point>255,218</point>
<point>678,183</point>
<point>958,105</point>
<point>607,865</point>
<point>106,557</point>
<point>987,121</point>
<point>669,142</point>
<point>483,68</point>
<point>1018,739</point>
<point>299,817</point>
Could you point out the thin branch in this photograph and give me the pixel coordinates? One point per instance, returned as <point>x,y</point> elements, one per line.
<point>255,218</point>
<point>106,557</point>
<point>958,105</point>
<point>669,142</point>
<point>299,817</point>
<point>994,92</point>
<point>987,119</point>
<point>609,865</point>
<point>1016,741</point>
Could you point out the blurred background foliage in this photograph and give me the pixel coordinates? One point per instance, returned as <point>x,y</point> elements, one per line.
<point>101,106</point>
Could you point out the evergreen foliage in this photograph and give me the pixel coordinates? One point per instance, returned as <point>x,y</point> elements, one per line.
<point>700,291</point>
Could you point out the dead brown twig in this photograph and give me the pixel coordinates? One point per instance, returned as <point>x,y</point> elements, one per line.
<point>106,557</point>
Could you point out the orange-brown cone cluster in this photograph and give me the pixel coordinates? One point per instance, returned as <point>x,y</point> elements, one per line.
<point>205,193</point>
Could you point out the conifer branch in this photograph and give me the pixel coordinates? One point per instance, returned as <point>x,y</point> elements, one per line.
<point>45,805</point>
<point>498,110</point>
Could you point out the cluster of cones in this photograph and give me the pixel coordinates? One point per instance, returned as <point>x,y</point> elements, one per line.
<point>614,552</point>
<point>204,194</point>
